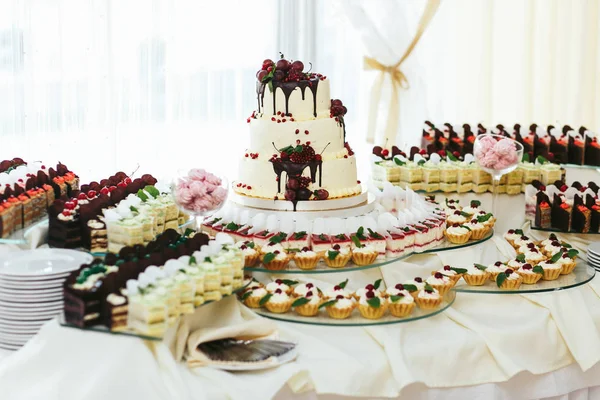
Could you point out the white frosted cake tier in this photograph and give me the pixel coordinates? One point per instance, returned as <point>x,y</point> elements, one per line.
<point>300,102</point>
<point>266,136</point>
<point>258,179</point>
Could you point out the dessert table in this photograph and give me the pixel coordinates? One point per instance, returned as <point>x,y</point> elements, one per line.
<point>485,346</point>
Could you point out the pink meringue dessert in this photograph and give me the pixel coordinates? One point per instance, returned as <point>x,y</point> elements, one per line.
<point>199,191</point>
<point>497,153</point>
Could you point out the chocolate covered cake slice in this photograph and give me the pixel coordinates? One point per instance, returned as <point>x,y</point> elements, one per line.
<point>543,211</point>
<point>582,216</point>
<point>561,214</point>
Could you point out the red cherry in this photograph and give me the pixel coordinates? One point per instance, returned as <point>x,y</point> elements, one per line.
<point>309,293</point>
<point>399,286</point>
<point>276,252</point>
<point>278,281</point>
<point>82,196</point>
<point>419,280</point>
<point>527,266</point>
<point>508,271</point>
<point>278,291</point>
<point>318,157</point>
<point>497,263</point>
<point>297,131</point>
<point>267,63</point>
<point>336,246</point>
<point>456,154</point>
<point>385,152</point>
<point>260,75</point>
<point>369,287</point>
<point>69,205</point>
<point>74,201</point>
<point>91,193</point>
<point>121,184</point>
<point>370,295</point>
<point>283,65</point>
<point>339,297</point>
<point>423,152</point>
<point>511,231</point>
<point>438,275</point>
<point>297,66</point>
<point>127,180</point>
<point>309,285</point>
<point>66,213</point>
<point>336,287</point>
<point>447,268</point>
<point>336,102</point>
<point>110,189</point>
<point>104,190</point>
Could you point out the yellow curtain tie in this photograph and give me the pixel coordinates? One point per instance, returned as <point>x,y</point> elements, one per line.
<point>398,81</point>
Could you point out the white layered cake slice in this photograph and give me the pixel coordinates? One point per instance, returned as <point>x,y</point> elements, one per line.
<point>298,149</point>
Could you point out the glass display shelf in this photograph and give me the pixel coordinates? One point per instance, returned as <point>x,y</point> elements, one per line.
<point>537,228</point>
<point>322,268</point>
<point>582,274</point>
<point>20,235</point>
<point>131,333</point>
<point>356,319</point>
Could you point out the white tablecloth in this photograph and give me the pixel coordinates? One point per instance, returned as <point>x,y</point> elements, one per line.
<point>485,346</point>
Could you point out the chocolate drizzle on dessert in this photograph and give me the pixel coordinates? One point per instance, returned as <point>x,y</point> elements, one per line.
<point>288,88</point>
<point>295,170</point>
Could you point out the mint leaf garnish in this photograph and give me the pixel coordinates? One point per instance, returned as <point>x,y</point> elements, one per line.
<point>246,295</point>
<point>356,241</point>
<point>300,302</point>
<point>572,253</point>
<point>410,288</point>
<point>265,299</point>
<point>152,191</point>
<point>480,267</point>
<point>328,303</point>
<point>484,218</point>
<point>269,257</point>
<point>299,235</point>
<point>142,195</point>
<point>374,302</point>
<point>289,282</point>
<point>232,226</point>
<point>556,257</point>
<point>399,162</point>
<point>192,260</point>
<point>459,270</point>
<point>278,238</point>
<point>377,283</point>
<point>396,298</point>
<point>331,254</point>
<point>500,279</point>
<point>538,269</point>
<point>343,284</point>
<point>521,258</point>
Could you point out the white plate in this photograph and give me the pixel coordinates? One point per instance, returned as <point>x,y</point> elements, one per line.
<point>35,323</point>
<point>287,357</point>
<point>17,285</point>
<point>10,347</point>
<point>12,342</point>
<point>16,336</point>
<point>17,318</point>
<point>35,279</point>
<point>32,299</point>
<point>594,247</point>
<point>42,262</point>
<point>33,292</point>
<point>6,304</point>
<point>26,312</point>
<point>14,310</point>
<point>26,330</point>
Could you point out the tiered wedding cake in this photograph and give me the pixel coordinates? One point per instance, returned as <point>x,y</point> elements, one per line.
<point>297,145</point>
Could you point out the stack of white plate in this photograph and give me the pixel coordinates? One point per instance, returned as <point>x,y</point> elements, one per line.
<point>594,255</point>
<point>31,290</point>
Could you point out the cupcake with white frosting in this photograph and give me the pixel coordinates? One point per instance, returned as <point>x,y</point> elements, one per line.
<point>552,248</point>
<point>472,208</point>
<point>478,230</point>
<point>400,301</point>
<point>495,269</point>
<point>522,240</point>
<point>534,257</point>
<point>339,307</point>
<point>372,305</point>
<point>453,273</point>
<point>368,288</point>
<point>414,286</point>
<point>253,296</point>
<point>306,259</point>
<point>531,274</point>
<point>303,288</point>
<point>428,298</point>
<point>278,302</point>
<point>512,235</point>
<point>456,218</point>
<point>566,262</point>
<point>337,290</point>
<point>308,305</point>
<point>517,263</point>
<point>279,284</point>
<point>250,251</point>
<point>551,238</point>
<point>364,255</point>
<point>476,275</point>
<point>441,283</point>
<point>509,280</point>
<point>552,270</point>
<point>458,234</point>
<point>337,256</point>
<point>275,261</point>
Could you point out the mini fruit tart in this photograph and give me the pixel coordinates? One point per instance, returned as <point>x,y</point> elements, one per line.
<point>458,234</point>
<point>476,275</point>
<point>517,262</point>
<point>414,286</point>
<point>277,302</point>
<point>567,261</point>
<point>252,296</point>
<point>364,255</point>
<point>428,298</point>
<point>478,229</point>
<point>457,217</point>
<point>441,283</point>
<point>250,251</point>
<point>275,261</point>
<point>495,269</point>
<point>306,259</point>
<point>551,238</point>
<point>453,273</point>
<point>512,235</point>
<point>551,249</point>
<point>552,269</point>
<point>337,256</point>
<point>284,284</point>
<point>531,274</point>
<point>509,280</point>
<point>472,208</point>
<point>308,306</point>
<point>372,306</point>
<point>400,301</point>
<point>534,257</point>
<point>522,240</point>
<point>339,307</point>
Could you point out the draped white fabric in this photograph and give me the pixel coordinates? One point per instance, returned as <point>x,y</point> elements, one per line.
<point>496,61</point>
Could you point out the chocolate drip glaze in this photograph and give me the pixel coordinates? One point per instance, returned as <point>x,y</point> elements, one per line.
<point>287,88</point>
<point>295,170</point>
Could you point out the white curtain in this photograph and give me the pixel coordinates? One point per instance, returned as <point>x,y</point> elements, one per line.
<point>490,61</point>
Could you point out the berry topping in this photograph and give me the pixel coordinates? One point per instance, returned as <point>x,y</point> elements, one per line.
<point>339,297</point>
<point>305,249</point>
<point>91,193</point>
<point>276,252</point>
<point>66,213</point>
<point>309,293</point>
<point>527,266</point>
<point>555,243</point>
<point>336,287</point>
<point>531,245</point>
<point>447,268</point>
<point>508,271</point>
<point>82,196</point>
<point>370,294</point>
<point>399,286</point>
<point>438,275</point>
<point>69,205</point>
<point>497,263</point>
<point>419,280</point>
<point>369,287</point>
<point>310,285</point>
<point>524,238</point>
<point>278,291</point>
<point>456,212</point>
<point>336,246</point>
<point>278,281</point>
<point>104,190</point>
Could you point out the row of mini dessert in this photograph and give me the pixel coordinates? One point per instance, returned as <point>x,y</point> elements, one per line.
<point>568,209</point>
<point>159,294</point>
<point>27,189</point>
<point>467,223</point>
<point>280,296</point>
<point>561,145</point>
<point>433,173</point>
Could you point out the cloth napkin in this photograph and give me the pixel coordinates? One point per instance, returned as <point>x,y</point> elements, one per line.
<point>220,320</point>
